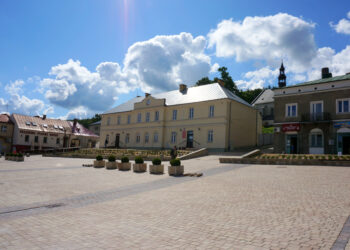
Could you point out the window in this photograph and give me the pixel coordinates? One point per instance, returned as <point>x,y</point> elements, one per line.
<point>190,115</point>
<point>211,111</point>
<point>291,110</point>
<point>36,138</point>
<point>108,121</point>
<point>210,136</point>
<point>129,119</point>
<point>45,125</point>
<point>45,139</point>
<point>3,128</point>
<point>60,127</point>
<point>138,138</point>
<point>147,117</point>
<point>118,120</point>
<point>57,140</point>
<point>174,114</point>
<point>156,116</point>
<point>27,123</point>
<point>343,106</point>
<point>55,126</point>
<point>26,138</point>
<point>139,117</point>
<point>173,137</point>
<point>127,138</point>
<point>146,138</point>
<point>155,137</point>
<point>107,140</point>
<point>316,140</point>
<point>34,124</point>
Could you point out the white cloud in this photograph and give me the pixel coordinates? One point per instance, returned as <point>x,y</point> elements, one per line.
<point>158,64</point>
<point>79,113</point>
<point>14,87</point>
<point>258,78</point>
<point>343,26</point>
<point>22,105</point>
<point>268,38</point>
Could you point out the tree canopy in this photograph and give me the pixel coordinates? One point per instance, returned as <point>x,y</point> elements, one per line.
<point>86,122</point>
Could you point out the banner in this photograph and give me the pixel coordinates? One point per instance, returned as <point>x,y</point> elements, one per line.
<point>291,127</point>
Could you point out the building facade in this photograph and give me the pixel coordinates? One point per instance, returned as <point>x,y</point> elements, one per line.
<point>6,133</point>
<point>313,117</point>
<point>265,104</point>
<point>207,116</point>
<point>39,133</point>
<point>95,127</point>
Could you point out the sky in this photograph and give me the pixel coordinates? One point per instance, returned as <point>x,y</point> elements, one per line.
<point>73,59</point>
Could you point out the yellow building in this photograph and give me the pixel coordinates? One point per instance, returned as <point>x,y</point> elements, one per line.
<point>208,116</point>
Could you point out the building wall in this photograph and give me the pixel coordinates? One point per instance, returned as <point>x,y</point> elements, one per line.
<point>95,128</point>
<point>6,137</point>
<point>201,124</point>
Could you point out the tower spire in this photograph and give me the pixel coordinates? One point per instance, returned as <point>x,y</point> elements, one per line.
<point>282,78</point>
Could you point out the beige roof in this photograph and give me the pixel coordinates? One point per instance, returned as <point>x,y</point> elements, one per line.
<point>39,124</point>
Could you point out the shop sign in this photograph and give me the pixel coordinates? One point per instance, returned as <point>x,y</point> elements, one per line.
<point>291,127</point>
<point>27,132</point>
<point>342,125</point>
<point>51,134</point>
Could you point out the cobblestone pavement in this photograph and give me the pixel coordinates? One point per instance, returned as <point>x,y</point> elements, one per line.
<point>54,203</point>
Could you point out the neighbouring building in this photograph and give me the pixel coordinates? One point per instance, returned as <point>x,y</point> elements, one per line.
<point>6,133</point>
<point>208,116</point>
<point>95,127</point>
<point>314,117</point>
<point>264,102</point>
<point>38,133</point>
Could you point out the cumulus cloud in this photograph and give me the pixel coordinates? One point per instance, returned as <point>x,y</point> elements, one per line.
<point>14,87</point>
<point>258,78</point>
<point>268,38</point>
<point>80,112</point>
<point>343,26</point>
<point>158,64</point>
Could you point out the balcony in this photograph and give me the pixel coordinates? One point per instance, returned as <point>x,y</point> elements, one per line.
<point>316,117</point>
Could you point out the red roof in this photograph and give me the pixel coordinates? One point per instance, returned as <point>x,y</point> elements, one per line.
<point>5,118</point>
<point>79,129</point>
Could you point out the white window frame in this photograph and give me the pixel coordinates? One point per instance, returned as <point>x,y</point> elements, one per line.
<point>210,136</point>
<point>337,106</point>
<point>139,117</point>
<point>174,114</point>
<point>315,102</point>
<point>156,115</point>
<point>211,110</point>
<point>148,115</point>
<point>191,113</point>
<point>291,105</point>
<point>173,137</point>
<point>127,138</point>
<point>316,134</point>
<point>138,138</point>
<point>155,137</point>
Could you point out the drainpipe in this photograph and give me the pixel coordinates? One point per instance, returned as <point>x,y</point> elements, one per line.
<point>229,128</point>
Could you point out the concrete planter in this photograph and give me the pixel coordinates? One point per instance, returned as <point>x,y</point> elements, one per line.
<point>140,167</point>
<point>111,165</point>
<point>6,158</point>
<point>124,166</point>
<point>156,169</point>
<point>99,164</point>
<point>19,158</point>
<point>176,170</point>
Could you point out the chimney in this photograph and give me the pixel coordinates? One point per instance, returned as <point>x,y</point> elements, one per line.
<point>182,87</point>
<point>44,117</point>
<point>75,121</point>
<point>147,94</point>
<point>221,82</point>
<point>325,73</point>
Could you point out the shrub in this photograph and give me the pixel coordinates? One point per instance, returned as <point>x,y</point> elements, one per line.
<point>283,156</point>
<point>99,158</point>
<point>111,158</point>
<point>138,160</point>
<point>19,155</point>
<point>329,157</point>
<point>311,157</point>
<point>156,161</point>
<point>175,162</point>
<point>125,159</point>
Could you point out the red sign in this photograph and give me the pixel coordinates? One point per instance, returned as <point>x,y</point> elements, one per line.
<point>184,134</point>
<point>291,127</point>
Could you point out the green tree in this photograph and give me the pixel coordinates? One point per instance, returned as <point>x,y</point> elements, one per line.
<point>227,79</point>
<point>204,81</point>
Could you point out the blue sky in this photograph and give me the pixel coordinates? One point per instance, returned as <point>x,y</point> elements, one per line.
<point>77,58</point>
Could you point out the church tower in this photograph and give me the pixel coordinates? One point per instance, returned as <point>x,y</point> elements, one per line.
<point>282,77</point>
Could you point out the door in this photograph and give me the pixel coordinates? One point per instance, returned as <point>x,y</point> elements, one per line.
<point>189,139</point>
<point>117,140</point>
<point>346,145</point>
<point>292,144</point>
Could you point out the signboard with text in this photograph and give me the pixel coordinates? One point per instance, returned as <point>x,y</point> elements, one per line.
<point>291,127</point>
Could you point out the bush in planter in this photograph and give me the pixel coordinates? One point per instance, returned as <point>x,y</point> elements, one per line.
<point>156,161</point>
<point>99,158</point>
<point>125,159</point>
<point>99,163</point>
<point>138,160</point>
<point>175,162</point>
<point>111,158</point>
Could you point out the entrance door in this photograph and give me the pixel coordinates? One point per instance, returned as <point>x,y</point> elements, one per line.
<point>292,144</point>
<point>117,140</point>
<point>189,139</point>
<point>346,145</point>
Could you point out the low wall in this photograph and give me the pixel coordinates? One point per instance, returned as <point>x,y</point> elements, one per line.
<point>284,162</point>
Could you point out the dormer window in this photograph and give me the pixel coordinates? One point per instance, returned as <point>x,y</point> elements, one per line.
<point>60,127</point>
<point>55,126</point>
<point>28,123</point>
<point>45,125</point>
<point>34,124</point>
